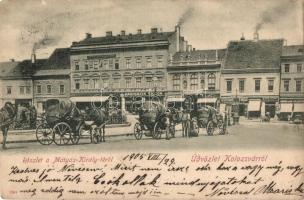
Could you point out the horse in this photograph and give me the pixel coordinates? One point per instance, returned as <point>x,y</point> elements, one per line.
<point>7,115</point>
<point>99,117</point>
<point>180,117</point>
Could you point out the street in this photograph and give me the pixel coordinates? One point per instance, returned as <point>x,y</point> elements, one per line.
<point>246,135</point>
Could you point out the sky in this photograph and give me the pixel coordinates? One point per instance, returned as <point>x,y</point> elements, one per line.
<point>40,26</point>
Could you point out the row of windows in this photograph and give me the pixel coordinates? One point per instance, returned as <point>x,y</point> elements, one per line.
<point>22,90</point>
<point>49,89</point>
<point>287,68</point>
<point>194,82</point>
<point>286,85</point>
<point>126,82</point>
<point>114,63</point>
<point>257,85</point>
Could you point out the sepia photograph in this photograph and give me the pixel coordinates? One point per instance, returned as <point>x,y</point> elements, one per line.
<point>211,81</point>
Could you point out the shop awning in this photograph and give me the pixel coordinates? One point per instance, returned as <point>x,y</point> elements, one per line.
<point>206,100</point>
<point>286,107</point>
<point>90,99</point>
<point>254,105</point>
<point>175,99</point>
<point>298,107</point>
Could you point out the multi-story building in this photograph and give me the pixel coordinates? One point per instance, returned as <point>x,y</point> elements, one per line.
<point>127,67</point>
<point>195,72</point>
<point>16,84</point>
<point>250,76</point>
<point>292,80</point>
<point>52,79</point>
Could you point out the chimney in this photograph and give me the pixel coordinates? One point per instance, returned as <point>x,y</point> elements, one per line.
<point>242,38</point>
<point>123,33</point>
<point>109,33</point>
<point>177,30</point>
<point>153,30</point>
<point>33,58</point>
<point>88,35</point>
<point>139,31</point>
<point>256,36</point>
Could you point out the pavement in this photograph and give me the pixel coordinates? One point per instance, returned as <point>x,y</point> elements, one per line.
<point>25,136</point>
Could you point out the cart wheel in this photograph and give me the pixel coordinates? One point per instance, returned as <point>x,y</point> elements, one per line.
<point>62,133</point>
<point>221,127</point>
<point>194,128</point>
<point>210,128</point>
<point>95,135</point>
<point>156,134</point>
<point>44,134</point>
<point>75,137</point>
<point>138,132</point>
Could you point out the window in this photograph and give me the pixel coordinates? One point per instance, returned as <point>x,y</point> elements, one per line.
<point>138,82</point>
<point>76,66</point>
<point>257,85</point>
<point>9,90</point>
<point>49,89</point>
<point>286,68</point>
<point>229,85</point>
<point>111,63</point>
<point>299,67</point>
<point>128,63</point>
<point>298,85</point>
<point>28,89</point>
<point>138,62</point>
<point>176,82</point>
<point>116,64</point>
<point>270,85</point>
<point>61,89</point>
<point>193,82</point>
<point>86,65</point>
<point>128,82</point>
<point>241,85</point>
<point>286,85</point>
<point>106,64</point>
<point>203,82</point>
<point>96,64</point>
<point>86,83</point>
<point>185,84</point>
<point>77,84</point>
<point>21,89</point>
<point>95,83</point>
<point>149,62</point>
<point>38,89</point>
<point>105,83</point>
<point>149,81</point>
<point>116,83</point>
<point>211,81</point>
<point>160,61</point>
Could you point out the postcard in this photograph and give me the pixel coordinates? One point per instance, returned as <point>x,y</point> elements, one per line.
<point>139,99</point>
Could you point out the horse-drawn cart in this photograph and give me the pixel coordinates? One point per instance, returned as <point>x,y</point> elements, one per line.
<point>153,122</point>
<point>63,124</point>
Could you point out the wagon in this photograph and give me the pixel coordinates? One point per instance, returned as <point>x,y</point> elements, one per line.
<point>153,122</point>
<point>208,117</point>
<point>63,124</point>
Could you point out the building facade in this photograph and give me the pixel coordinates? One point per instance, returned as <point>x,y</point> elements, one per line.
<point>126,68</point>
<point>292,81</point>
<point>250,76</point>
<point>195,72</point>
<point>52,79</point>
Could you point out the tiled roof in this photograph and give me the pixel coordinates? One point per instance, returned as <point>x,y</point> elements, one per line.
<point>16,69</point>
<point>293,50</point>
<point>197,55</point>
<point>60,59</point>
<point>252,55</point>
<point>131,38</point>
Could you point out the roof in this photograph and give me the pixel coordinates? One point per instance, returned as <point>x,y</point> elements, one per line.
<point>293,50</point>
<point>120,39</point>
<point>57,64</point>
<point>197,55</point>
<point>250,55</point>
<point>14,69</point>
